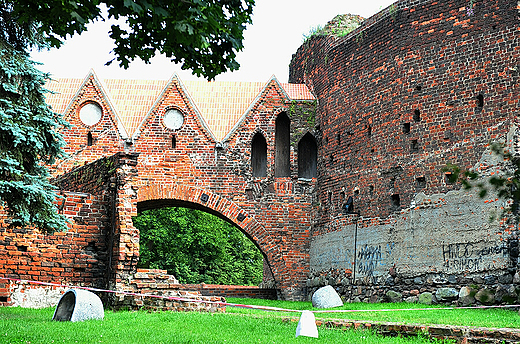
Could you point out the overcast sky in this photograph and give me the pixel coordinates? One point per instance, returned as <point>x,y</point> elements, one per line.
<point>276,33</point>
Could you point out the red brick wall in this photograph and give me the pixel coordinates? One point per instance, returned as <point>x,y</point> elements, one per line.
<point>77,256</point>
<point>274,212</point>
<point>434,57</point>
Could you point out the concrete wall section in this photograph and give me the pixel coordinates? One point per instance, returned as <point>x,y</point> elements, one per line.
<point>444,239</point>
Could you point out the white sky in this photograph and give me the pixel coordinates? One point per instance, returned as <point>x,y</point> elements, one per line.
<point>276,33</point>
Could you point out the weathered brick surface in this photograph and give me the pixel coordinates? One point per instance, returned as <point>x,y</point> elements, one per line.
<point>77,256</point>
<point>434,57</point>
<point>417,86</point>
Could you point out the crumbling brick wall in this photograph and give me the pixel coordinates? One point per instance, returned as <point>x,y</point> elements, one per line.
<point>77,256</point>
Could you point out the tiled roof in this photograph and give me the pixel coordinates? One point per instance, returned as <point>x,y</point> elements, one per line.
<point>61,93</point>
<point>133,99</point>
<point>298,91</point>
<point>220,103</point>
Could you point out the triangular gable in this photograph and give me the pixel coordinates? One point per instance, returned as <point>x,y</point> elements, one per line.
<point>112,113</point>
<point>174,82</point>
<point>289,91</point>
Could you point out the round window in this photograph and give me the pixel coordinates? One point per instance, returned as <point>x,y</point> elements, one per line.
<point>173,119</point>
<point>90,114</point>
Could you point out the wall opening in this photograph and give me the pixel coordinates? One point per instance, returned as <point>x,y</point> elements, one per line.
<point>174,142</point>
<point>259,155</point>
<point>307,157</point>
<point>414,145</point>
<point>480,100</point>
<point>406,128</point>
<point>282,162</point>
<point>196,246</point>
<point>90,139</point>
<point>420,182</point>
<point>395,202</point>
<point>417,115</point>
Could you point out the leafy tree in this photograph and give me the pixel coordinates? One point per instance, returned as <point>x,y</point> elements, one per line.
<point>203,35</point>
<point>506,184</point>
<point>197,247</point>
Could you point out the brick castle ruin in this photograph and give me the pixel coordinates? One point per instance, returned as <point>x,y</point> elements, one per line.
<point>374,115</point>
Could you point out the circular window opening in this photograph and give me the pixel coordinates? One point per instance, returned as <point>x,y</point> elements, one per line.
<point>173,119</point>
<point>90,114</point>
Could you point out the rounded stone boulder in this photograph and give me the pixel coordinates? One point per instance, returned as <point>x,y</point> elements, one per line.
<point>79,305</point>
<point>426,298</point>
<point>446,294</point>
<point>393,296</point>
<point>485,296</point>
<point>326,297</point>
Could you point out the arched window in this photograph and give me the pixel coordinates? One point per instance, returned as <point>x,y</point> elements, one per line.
<point>282,142</point>
<point>307,157</point>
<point>259,155</point>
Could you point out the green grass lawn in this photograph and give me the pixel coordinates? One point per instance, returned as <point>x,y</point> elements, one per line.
<point>462,317</point>
<point>237,325</point>
<point>19,325</point>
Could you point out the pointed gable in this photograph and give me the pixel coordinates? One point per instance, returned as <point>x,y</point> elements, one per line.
<point>89,90</point>
<point>287,91</point>
<point>173,95</point>
<point>220,106</point>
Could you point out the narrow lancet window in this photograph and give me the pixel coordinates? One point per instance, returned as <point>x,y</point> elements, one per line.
<point>282,164</point>
<point>259,155</point>
<point>307,157</point>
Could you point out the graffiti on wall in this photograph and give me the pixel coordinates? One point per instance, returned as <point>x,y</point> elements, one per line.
<point>469,256</point>
<point>368,258</point>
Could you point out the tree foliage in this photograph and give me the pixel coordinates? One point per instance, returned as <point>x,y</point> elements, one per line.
<point>201,35</point>
<point>28,141</point>
<point>197,247</point>
<point>506,184</point>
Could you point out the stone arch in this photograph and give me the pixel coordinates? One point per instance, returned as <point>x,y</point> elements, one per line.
<point>150,196</point>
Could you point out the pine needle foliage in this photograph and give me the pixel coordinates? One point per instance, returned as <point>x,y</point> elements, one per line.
<point>29,141</point>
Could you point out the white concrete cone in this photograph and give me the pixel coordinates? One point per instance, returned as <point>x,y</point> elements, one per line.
<point>307,325</point>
